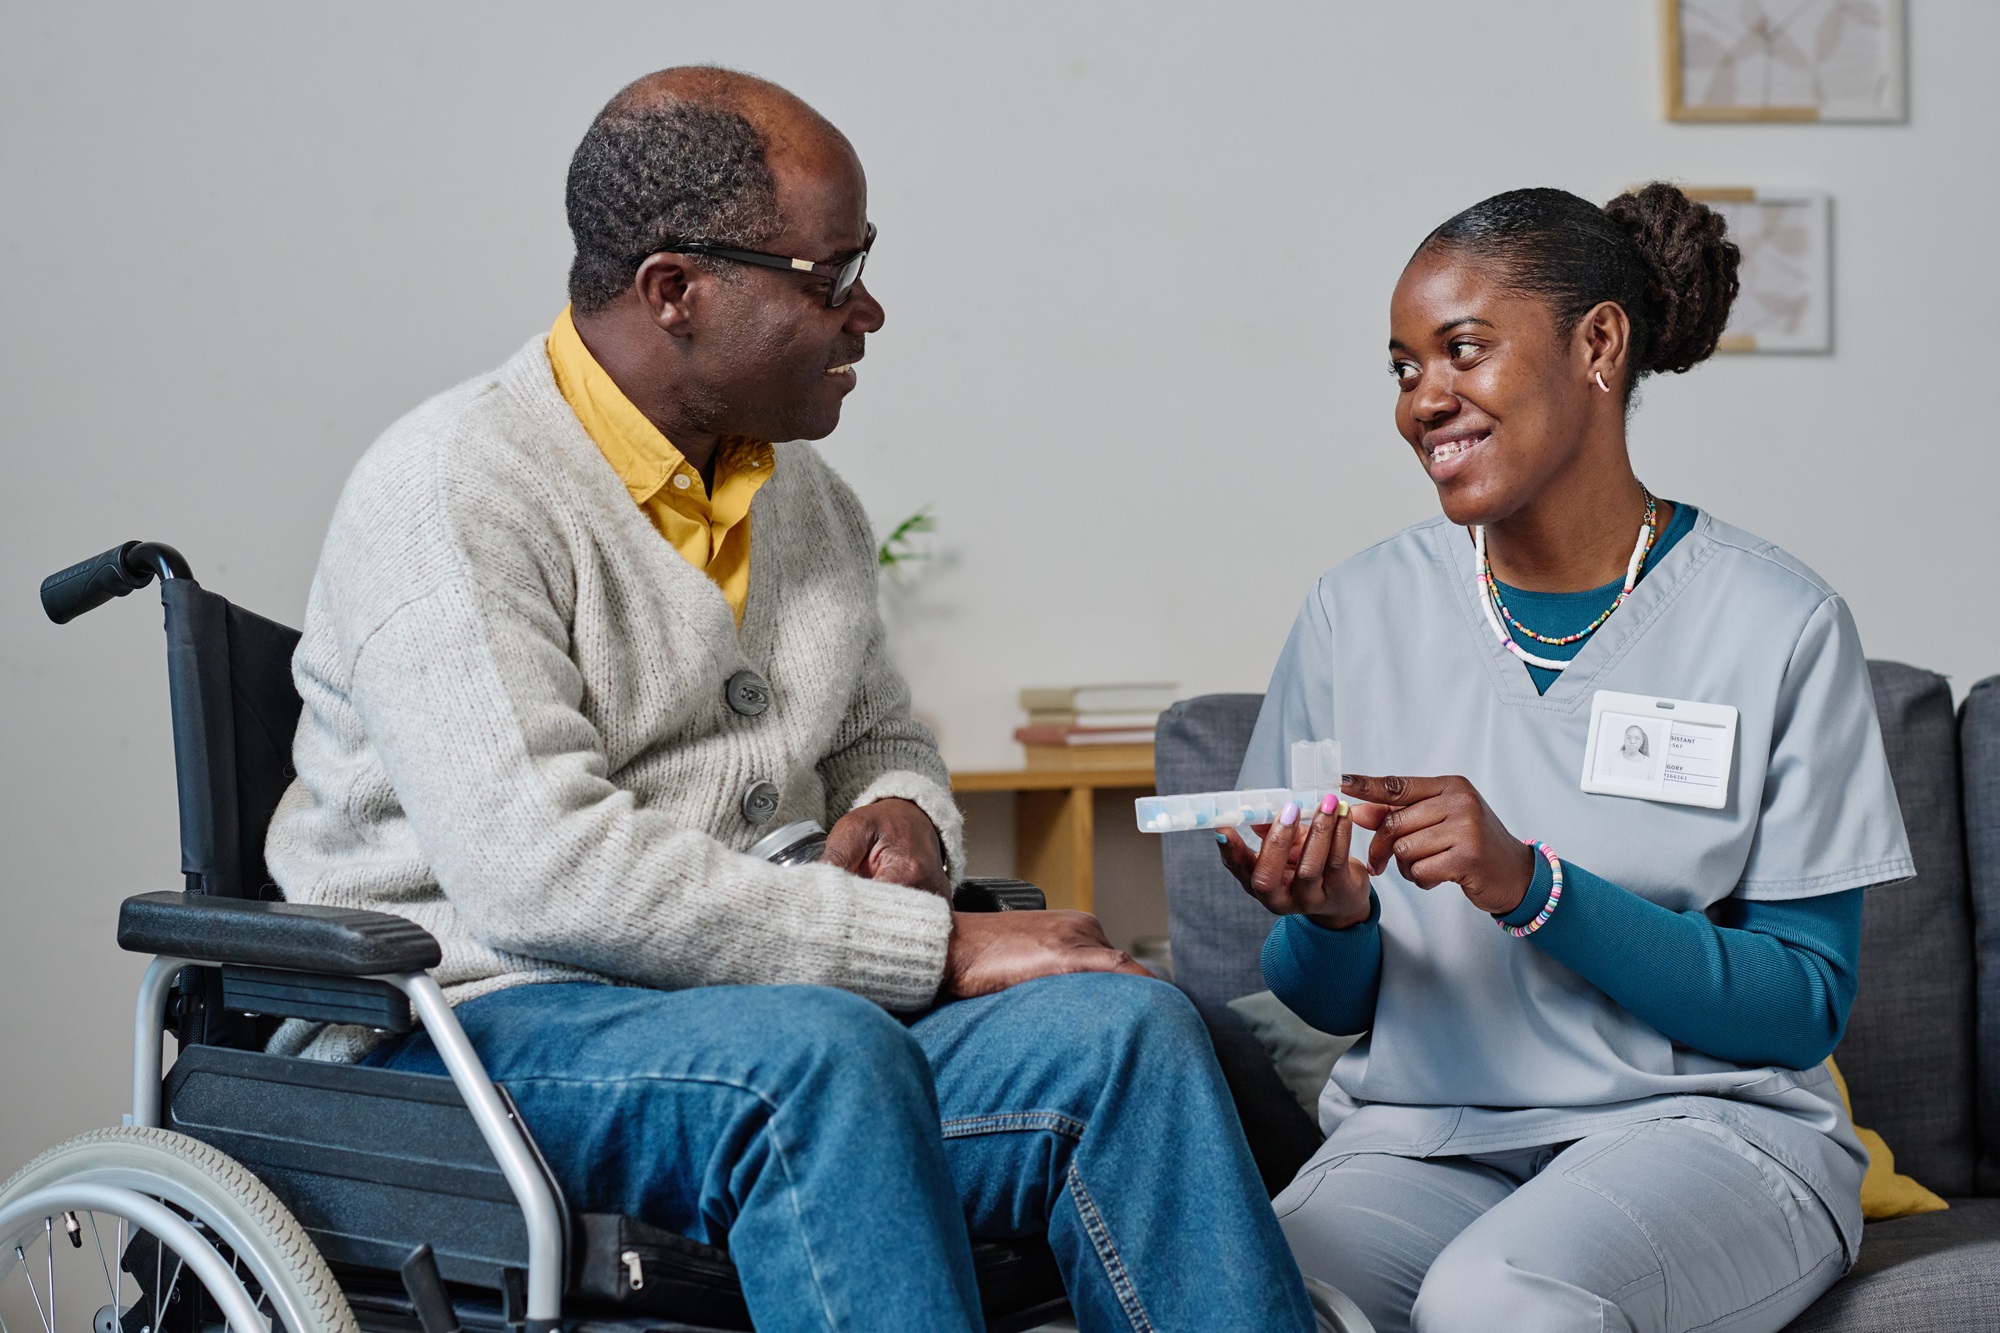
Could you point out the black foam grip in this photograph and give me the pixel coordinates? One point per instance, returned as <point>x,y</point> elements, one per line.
<point>301,937</point>
<point>90,584</point>
<point>998,894</point>
<point>427,1295</point>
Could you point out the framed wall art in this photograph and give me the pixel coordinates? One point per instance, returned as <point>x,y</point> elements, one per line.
<point>1785,60</point>
<point>1786,300</point>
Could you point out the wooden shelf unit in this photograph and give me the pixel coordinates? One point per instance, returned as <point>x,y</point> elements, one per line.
<point>1054,827</point>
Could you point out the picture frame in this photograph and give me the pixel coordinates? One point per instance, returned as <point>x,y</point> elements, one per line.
<point>1785,303</point>
<point>1787,61</point>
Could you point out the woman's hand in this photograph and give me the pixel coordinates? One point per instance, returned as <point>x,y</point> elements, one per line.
<point>1441,831</point>
<point>1303,868</point>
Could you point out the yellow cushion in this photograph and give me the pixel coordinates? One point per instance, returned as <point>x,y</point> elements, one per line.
<point>1885,1192</point>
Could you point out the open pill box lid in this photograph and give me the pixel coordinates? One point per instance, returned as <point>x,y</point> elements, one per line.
<point>1315,772</point>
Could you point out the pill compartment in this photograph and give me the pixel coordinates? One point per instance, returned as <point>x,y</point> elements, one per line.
<point>1315,771</point>
<point>1315,766</point>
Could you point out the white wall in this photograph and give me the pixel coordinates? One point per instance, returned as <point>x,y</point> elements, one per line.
<point>1136,260</point>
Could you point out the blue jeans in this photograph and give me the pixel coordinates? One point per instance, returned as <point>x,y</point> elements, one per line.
<point>845,1158</point>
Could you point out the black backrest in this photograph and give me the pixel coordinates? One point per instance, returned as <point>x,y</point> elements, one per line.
<point>229,678</point>
<point>1979,759</point>
<point>1908,1052</point>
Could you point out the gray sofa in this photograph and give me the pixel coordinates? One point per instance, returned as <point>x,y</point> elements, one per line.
<point>1922,1050</point>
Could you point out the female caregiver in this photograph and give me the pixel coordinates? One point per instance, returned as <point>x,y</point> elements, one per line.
<point>1598,997</point>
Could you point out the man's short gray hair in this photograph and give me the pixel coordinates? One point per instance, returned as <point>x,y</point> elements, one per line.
<point>666,169</point>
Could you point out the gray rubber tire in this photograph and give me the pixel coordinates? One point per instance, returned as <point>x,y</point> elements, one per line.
<point>215,1189</point>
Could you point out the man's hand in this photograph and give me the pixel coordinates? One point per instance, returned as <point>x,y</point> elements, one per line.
<point>1441,831</point>
<point>990,951</point>
<point>892,840</point>
<point>1303,868</point>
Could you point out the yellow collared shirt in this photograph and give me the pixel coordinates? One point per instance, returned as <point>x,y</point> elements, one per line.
<point>711,532</point>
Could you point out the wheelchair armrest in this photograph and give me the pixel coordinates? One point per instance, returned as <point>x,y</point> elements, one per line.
<point>995,894</point>
<point>301,937</point>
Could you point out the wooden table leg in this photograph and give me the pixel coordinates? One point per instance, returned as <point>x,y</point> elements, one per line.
<point>1052,845</point>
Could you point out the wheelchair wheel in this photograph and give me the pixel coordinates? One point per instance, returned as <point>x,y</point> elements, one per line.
<point>148,1231</point>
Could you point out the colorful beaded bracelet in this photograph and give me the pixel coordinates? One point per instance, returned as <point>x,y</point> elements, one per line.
<point>1555,895</point>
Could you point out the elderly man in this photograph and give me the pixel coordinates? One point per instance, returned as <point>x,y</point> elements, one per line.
<point>584,630</point>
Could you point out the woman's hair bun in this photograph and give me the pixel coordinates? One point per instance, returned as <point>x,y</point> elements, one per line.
<point>1692,269</point>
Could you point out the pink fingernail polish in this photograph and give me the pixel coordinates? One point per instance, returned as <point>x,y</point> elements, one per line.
<point>1290,814</point>
<point>1330,803</point>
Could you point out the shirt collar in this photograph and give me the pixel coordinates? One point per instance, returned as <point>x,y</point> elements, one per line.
<point>643,457</point>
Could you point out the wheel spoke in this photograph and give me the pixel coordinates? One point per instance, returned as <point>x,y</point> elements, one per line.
<point>110,1284</point>
<point>179,1264</point>
<point>30,1279</point>
<point>49,1243</point>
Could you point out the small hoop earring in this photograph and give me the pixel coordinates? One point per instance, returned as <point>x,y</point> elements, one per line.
<point>1601,384</point>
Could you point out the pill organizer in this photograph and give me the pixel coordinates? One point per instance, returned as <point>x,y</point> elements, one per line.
<point>1315,771</point>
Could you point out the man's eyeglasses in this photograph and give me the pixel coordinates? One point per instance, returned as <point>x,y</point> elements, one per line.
<point>842,271</point>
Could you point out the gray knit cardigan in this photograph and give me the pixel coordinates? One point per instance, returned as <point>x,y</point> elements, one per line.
<point>516,733</point>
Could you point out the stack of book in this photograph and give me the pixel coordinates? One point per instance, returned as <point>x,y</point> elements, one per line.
<point>1092,726</point>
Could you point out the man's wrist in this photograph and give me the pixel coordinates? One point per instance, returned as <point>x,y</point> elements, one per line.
<point>928,794</point>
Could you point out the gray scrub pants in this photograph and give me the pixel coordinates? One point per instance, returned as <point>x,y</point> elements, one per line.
<point>1665,1225</point>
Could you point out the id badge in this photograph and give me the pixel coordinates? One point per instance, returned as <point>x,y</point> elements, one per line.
<point>1672,750</point>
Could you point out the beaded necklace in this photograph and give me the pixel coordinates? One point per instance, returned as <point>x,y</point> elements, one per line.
<point>1489,592</point>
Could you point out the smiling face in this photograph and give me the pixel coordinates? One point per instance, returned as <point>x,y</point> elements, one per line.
<point>776,361</point>
<point>1494,403</point>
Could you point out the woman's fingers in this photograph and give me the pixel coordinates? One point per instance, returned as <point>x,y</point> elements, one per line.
<point>1427,872</point>
<point>1318,849</point>
<point>1273,872</point>
<point>1391,790</point>
<point>1236,854</point>
<point>1265,873</point>
<point>1421,848</point>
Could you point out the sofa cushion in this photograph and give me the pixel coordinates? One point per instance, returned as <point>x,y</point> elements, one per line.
<point>1933,1273</point>
<point>1908,1049</point>
<point>1979,759</point>
<point>1217,930</point>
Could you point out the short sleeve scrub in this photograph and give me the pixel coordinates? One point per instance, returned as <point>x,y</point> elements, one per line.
<point>1483,1044</point>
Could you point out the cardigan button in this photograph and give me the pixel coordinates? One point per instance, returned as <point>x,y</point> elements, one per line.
<point>760,802</point>
<point>748,693</point>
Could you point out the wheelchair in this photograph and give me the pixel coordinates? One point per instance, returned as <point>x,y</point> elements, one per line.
<point>250,1191</point>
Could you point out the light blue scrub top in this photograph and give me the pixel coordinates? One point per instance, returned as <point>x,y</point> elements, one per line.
<point>1482,1043</point>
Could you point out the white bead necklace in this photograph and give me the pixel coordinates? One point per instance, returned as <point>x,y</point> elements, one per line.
<point>1489,596</point>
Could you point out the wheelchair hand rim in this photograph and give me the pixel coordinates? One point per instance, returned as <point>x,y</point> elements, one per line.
<point>169,1227</point>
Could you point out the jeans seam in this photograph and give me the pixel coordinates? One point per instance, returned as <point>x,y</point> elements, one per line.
<point>1002,1122</point>
<point>771,1129</point>
<point>1107,1253</point>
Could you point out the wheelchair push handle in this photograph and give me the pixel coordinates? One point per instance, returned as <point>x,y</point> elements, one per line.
<point>91,583</point>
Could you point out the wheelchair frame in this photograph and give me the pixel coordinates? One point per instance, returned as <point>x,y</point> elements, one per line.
<point>226,949</point>
<point>508,1140</point>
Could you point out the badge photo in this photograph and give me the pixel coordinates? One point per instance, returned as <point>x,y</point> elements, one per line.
<point>1673,750</point>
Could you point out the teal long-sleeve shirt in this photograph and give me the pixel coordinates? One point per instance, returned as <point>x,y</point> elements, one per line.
<point>1767,983</point>
<point>1770,984</point>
